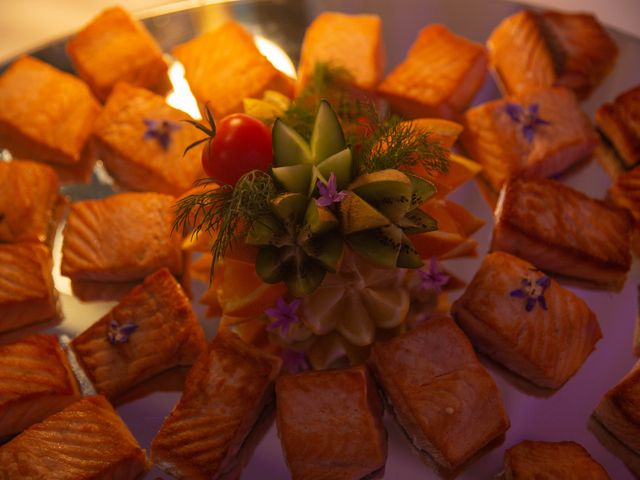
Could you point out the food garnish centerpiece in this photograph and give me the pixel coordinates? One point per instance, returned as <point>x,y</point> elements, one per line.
<point>324,195</point>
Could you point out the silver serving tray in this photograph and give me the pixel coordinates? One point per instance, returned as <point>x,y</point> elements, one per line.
<point>563,415</point>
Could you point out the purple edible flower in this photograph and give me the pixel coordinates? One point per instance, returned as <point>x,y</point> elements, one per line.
<point>529,118</point>
<point>120,333</point>
<point>433,278</point>
<point>160,130</point>
<point>284,314</point>
<point>533,292</point>
<point>329,193</point>
<point>294,362</point>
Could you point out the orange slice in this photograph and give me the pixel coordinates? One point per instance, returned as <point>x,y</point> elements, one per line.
<point>444,131</point>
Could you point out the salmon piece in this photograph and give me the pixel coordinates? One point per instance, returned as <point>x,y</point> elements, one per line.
<point>619,410</point>
<point>499,143</point>
<point>45,114</point>
<point>440,394</point>
<point>551,225</point>
<point>85,441</point>
<point>226,406</point>
<point>114,47</point>
<point>620,123</point>
<point>351,42</point>
<point>27,294</point>
<point>121,238</point>
<point>144,164</point>
<point>532,50</point>
<point>166,334</point>
<point>224,66</point>
<point>529,460</point>
<point>526,321</point>
<point>439,77</point>
<point>330,425</point>
<point>625,193</point>
<point>36,381</point>
<point>30,202</point>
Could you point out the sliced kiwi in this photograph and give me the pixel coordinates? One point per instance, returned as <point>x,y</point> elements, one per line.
<point>379,246</point>
<point>417,221</point>
<point>288,146</point>
<point>303,277</point>
<point>357,215</point>
<point>327,137</point>
<point>422,190</point>
<point>269,266</point>
<point>319,220</point>
<point>290,209</point>
<point>294,178</point>
<point>327,249</point>
<point>341,165</point>
<point>408,256</point>
<point>388,191</point>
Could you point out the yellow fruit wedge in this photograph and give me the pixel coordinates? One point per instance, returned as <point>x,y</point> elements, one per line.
<point>444,131</point>
<point>444,245</point>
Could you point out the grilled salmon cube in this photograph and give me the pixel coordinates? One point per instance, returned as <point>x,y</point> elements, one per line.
<point>114,47</point>
<point>439,392</point>
<point>27,293</point>
<point>121,238</point>
<point>619,410</point>
<point>533,50</point>
<point>565,460</point>
<point>551,225</point>
<point>36,381</point>
<point>30,202</point>
<point>151,330</point>
<point>498,135</point>
<point>526,321</point>
<point>226,406</point>
<point>620,123</point>
<point>87,440</point>
<point>330,424</point>
<point>141,140</point>
<point>439,77</point>
<point>45,114</point>
<point>224,66</point>
<point>351,42</point>
<point>625,192</point>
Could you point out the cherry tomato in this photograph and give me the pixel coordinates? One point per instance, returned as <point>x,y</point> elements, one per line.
<point>242,143</point>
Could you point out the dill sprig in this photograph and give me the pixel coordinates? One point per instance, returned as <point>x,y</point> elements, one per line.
<point>226,212</point>
<point>394,143</point>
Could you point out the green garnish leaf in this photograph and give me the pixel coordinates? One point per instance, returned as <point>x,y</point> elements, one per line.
<point>210,130</point>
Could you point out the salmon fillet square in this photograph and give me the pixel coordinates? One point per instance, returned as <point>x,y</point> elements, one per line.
<point>27,293</point>
<point>121,238</point>
<point>625,193</point>
<point>151,330</point>
<point>224,66</point>
<point>226,406</point>
<point>498,135</point>
<point>114,47</point>
<point>551,225</point>
<point>35,381</point>
<point>620,123</point>
<point>141,140</point>
<point>351,42</point>
<point>30,202</point>
<point>526,321</point>
<point>330,424</point>
<point>531,50</point>
<point>439,393</point>
<point>45,114</point>
<point>87,440</point>
<point>439,77</point>
<point>619,410</point>
<point>530,460</point>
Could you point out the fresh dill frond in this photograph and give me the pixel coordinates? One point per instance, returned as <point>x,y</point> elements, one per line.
<point>226,212</point>
<point>394,143</point>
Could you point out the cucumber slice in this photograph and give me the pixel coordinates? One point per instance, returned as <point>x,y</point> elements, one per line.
<point>289,148</point>
<point>341,165</point>
<point>327,137</point>
<point>294,178</point>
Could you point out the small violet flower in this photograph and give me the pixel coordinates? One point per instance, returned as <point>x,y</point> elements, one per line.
<point>329,193</point>
<point>160,130</point>
<point>433,278</point>
<point>533,292</point>
<point>529,119</point>
<point>294,362</point>
<point>284,314</point>
<point>120,333</point>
